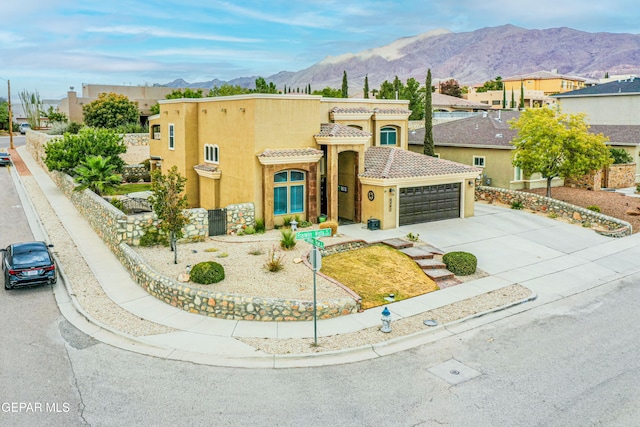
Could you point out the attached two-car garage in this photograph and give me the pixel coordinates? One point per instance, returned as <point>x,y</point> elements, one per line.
<point>429,203</point>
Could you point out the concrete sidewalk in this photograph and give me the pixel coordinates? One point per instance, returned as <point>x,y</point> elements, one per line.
<point>551,258</point>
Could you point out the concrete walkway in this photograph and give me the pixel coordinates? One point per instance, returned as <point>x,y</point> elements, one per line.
<point>552,258</point>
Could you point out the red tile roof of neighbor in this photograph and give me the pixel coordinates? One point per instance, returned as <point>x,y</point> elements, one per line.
<point>354,110</point>
<point>391,162</point>
<point>340,131</point>
<point>391,111</point>
<point>289,152</point>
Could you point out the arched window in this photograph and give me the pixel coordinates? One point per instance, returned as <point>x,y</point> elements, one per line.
<point>288,192</point>
<point>388,135</point>
<point>211,153</point>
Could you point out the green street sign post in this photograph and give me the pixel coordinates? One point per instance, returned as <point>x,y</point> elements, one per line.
<point>323,232</point>
<point>315,242</point>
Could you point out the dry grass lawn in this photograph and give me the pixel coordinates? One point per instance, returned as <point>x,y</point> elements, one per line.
<point>376,271</point>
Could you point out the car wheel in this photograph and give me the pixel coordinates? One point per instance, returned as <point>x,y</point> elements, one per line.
<point>6,281</point>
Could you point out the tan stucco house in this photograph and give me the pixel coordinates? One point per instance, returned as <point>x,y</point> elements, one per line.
<point>308,156</point>
<point>484,141</point>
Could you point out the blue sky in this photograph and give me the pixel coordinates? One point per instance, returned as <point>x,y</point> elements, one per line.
<point>51,45</point>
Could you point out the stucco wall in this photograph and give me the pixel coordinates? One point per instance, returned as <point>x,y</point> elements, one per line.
<point>613,109</point>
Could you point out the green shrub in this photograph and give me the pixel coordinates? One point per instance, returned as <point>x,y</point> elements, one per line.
<point>117,203</point>
<point>260,229</point>
<point>249,230</point>
<point>288,239</point>
<point>304,224</point>
<point>586,224</point>
<point>460,263</point>
<point>256,250</point>
<point>153,237</point>
<point>330,224</point>
<point>594,208</point>
<point>620,156</point>
<point>553,215</point>
<point>413,237</point>
<point>207,272</point>
<point>517,204</point>
<point>638,188</point>
<point>287,220</point>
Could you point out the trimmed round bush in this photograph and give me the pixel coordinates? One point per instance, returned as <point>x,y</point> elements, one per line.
<point>460,263</point>
<point>207,272</point>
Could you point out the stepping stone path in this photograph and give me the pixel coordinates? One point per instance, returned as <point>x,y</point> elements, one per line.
<point>423,256</point>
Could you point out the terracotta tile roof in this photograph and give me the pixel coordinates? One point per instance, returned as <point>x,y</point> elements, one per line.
<point>207,167</point>
<point>391,162</point>
<point>289,152</point>
<point>543,75</point>
<point>488,131</point>
<point>439,99</point>
<point>355,110</point>
<point>391,111</point>
<point>340,131</point>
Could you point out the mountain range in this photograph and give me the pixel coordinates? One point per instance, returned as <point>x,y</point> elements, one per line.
<point>469,57</point>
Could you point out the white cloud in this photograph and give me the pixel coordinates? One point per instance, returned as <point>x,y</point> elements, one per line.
<point>157,32</point>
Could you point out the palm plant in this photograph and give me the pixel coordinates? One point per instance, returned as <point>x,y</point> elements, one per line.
<point>96,174</point>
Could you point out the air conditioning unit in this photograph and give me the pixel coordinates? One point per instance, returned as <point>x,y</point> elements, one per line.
<point>373,224</point>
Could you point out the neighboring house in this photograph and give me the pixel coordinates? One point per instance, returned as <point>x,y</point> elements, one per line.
<point>145,96</point>
<point>548,82</point>
<point>485,141</point>
<point>494,98</point>
<point>613,103</point>
<point>306,155</point>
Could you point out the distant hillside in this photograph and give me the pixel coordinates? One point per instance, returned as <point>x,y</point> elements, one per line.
<point>470,57</point>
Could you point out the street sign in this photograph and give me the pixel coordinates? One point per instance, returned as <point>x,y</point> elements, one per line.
<point>315,242</point>
<point>323,232</point>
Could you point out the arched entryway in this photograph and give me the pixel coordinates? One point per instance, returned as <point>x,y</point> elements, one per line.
<point>348,186</point>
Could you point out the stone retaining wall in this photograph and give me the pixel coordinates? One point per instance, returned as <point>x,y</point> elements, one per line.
<point>227,306</point>
<point>607,225</point>
<point>240,216</point>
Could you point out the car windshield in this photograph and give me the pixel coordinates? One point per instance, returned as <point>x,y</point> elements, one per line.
<point>31,259</point>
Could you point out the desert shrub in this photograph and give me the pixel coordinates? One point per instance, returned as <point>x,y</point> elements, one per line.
<point>586,224</point>
<point>249,230</point>
<point>517,204</point>
<point>275,261</point>
<point>256,250</point>
<point>131,178</point>
<point>223,255</point>
<point>304,224</point>
<point>330,224</point>
<point>211,250</point>
<point>460,263</point>
<point>286,220</point>
<point>207,272</point>
<point>288,239</point>
<point>553,215</point>
<point>117,203</point>
<point>594,208</point>
<point>153,237</point>
<point>638,188</point>
<point>413,237</point>
<point>260,229</point>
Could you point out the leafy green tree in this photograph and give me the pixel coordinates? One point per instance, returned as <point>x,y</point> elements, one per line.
<point>387,90</point>
<point>513,100</point>
<point>97,174</point>
<point>345,86</point>
<point>188,93</point>
<point>620,156</point>
<point>429,148</point>
<point>415,94</point>
<point>155,108</point>
<point>66,154</point>
<point>557,145</point>
<point>56,117</point>
<point>451,87</point>
<point>4,115</point>
<point>169,202</point>
<point>328,92</point>
<point>366,87</point>
<point>228,90</point>
<point>496,84</point>
<point>263,87</point>
<point>110,110</point>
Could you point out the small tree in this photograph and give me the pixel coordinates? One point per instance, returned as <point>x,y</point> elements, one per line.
<point>328,92</point>
<point>110,110</point>
<point>32,107</point>
<point>66,154</point>
<point>521,106</point>
<point>451,87</point>
<point>429,149</point>
<point>55,116</point>
<point>97,174</point>
<point>263,87</point>
<point>345,86</point>
<point>168,203</point>
<point>557,145</point>
<point>366,87</point>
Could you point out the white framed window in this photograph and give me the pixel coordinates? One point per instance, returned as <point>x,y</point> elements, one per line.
<point>517,174</point>
<point>172,137</point>
<point>479,161</point>
<point>211,153</point>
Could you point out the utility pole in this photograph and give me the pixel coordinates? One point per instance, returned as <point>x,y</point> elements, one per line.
<point>10,116</point>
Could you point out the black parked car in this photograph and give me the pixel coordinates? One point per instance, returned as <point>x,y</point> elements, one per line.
<point>28,263</point>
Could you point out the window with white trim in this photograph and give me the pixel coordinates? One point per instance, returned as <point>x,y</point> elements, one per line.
<point>172,138</point>
<point>211,153</point>
<point>388,135</point>
<point>517,174</point>
<point>479,161</point>
<point>288,192</point>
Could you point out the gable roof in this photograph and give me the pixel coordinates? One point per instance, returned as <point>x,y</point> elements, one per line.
<point>486,131</point>
<point>439,99</point>
<point>394,163</point>
<point>615,87</point>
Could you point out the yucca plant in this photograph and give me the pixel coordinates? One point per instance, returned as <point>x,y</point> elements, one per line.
<point>288,240</point>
